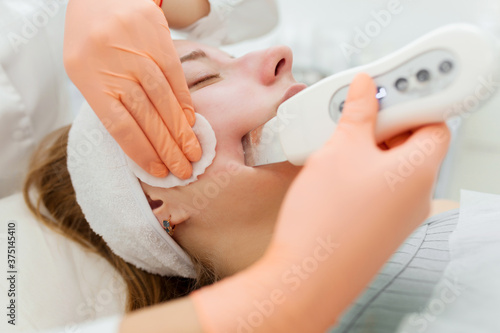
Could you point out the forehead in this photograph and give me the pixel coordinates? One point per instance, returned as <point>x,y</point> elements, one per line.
<point>185,47</point>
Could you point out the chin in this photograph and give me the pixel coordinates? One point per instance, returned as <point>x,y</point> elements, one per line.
<point>285,172</point>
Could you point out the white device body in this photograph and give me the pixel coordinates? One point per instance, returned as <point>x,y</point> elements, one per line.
<point>308,119</point>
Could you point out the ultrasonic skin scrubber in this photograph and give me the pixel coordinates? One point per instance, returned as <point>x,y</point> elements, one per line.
<point>428,81</point>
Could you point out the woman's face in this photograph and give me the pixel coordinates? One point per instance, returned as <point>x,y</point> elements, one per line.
<point>228,215</point>
<point>236,95</point>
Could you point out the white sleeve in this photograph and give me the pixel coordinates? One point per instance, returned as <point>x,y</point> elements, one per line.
<point>231,21</point>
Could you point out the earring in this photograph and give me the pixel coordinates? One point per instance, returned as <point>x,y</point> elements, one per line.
<point>168,228</point>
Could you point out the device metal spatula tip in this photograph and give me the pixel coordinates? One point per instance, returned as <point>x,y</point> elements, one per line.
<point>262,145</point>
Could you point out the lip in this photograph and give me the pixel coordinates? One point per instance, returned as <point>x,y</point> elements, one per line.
<point>292,91</point>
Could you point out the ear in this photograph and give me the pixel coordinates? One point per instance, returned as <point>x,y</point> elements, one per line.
<point>166,204</point>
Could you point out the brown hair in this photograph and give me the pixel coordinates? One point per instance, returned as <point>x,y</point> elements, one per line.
<point>49,176</point>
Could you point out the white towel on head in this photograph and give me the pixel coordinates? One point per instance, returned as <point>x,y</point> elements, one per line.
<point>114,203</point>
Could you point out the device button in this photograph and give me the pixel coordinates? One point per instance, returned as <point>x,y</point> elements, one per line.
<point>402,84</point>
<point>446,67</point>
<point>423,75</point>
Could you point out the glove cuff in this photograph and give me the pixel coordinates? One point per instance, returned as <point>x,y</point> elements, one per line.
<point>158,2</point>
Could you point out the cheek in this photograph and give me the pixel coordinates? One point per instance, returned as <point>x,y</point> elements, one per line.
<point>233,110</point>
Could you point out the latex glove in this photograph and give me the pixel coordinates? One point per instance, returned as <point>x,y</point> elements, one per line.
<point>342,218</point>
<point>120,55</point>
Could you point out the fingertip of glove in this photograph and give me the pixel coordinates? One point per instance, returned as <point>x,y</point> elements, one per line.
<point>194,152</point>
<point>361,87</point>
<point>190,116</point>
<point>361,105</point>
<point>437,133</point>
<point>428,146</point>
<point>157,169</point>
<point>185,171</point>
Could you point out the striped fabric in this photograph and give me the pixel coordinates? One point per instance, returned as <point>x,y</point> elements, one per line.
<point>406,281</point>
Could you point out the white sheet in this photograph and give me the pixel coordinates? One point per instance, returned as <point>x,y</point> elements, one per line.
<point>58,283</point>
<point>467,299</point>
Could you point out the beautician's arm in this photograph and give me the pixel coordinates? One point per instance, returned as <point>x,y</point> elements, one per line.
<point>177,317</point>
<point>339,223</point>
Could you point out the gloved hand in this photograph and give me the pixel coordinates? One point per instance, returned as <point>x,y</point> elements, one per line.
<point>344,215</point>
<point>120,55</point>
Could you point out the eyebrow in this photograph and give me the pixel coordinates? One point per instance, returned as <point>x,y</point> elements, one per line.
<point>194,55</point>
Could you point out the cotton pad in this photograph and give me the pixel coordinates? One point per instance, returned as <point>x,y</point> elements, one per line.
<point>206,136</point>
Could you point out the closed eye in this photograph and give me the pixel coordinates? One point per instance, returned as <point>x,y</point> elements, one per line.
<point>204,79</point>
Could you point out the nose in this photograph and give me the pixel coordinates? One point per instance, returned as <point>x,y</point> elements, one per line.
<point>270,64</point>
